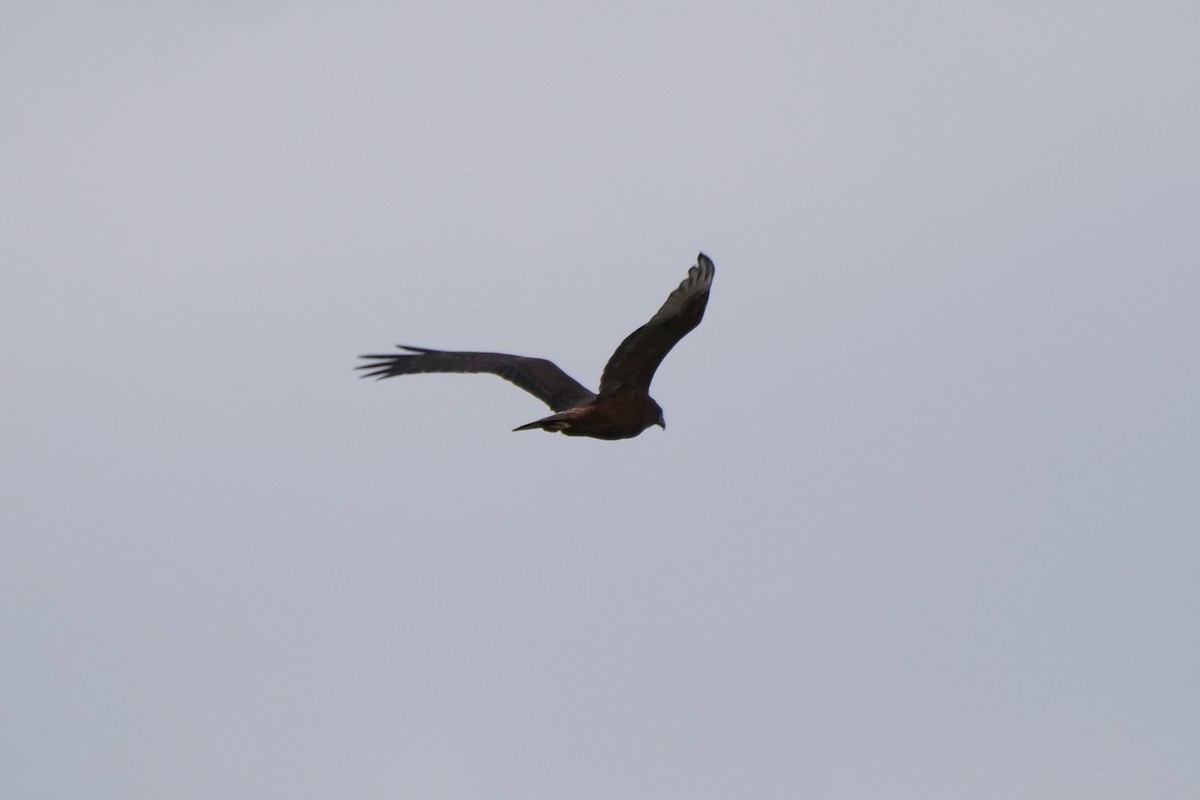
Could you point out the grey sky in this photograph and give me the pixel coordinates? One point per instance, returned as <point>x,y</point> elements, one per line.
<point>923,523</point>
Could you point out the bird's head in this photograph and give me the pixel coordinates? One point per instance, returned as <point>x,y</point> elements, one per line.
<point>656,415</point>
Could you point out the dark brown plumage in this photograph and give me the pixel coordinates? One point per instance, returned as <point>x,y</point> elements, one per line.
<point>622,408</point>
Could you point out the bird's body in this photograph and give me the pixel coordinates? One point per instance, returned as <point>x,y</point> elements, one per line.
<point>622,408</point>
<point>620,415</point>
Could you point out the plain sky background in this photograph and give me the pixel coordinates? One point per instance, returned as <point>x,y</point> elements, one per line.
<point>924,523</point>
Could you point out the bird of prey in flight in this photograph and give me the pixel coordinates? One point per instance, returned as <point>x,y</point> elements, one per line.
<point>622,408</point>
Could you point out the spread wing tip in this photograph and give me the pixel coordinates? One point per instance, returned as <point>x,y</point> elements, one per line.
<point>385,365</point>
<point>700,276</point>
<point>380,367</point>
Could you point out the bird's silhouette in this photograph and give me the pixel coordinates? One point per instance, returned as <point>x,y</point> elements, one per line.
<point>622,408</point>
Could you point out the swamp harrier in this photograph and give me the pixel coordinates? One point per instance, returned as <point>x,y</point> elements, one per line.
<point>622,408</point>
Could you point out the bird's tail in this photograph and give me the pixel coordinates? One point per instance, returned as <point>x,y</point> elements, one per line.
<point>551,424</point>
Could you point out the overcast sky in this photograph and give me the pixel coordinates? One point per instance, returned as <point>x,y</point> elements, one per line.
<point>923,523</point>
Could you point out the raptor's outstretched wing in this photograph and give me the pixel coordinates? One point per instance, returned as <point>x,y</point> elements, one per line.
<point>541,378</point>
<point>635,360</point>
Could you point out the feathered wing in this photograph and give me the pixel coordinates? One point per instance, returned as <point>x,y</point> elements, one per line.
<point>541,378</point>
<point>634,362</point>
